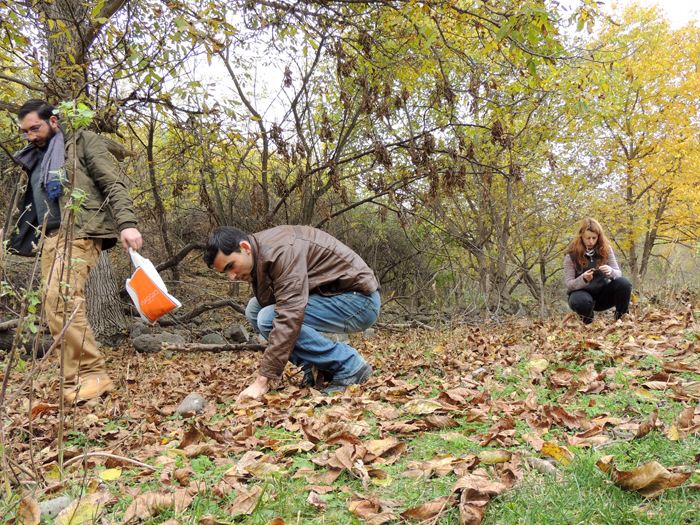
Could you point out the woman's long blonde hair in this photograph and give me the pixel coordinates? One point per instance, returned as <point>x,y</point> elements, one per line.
<point>578,250</point>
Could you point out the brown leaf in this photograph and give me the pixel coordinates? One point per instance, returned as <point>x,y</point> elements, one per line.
<point>319,489</point>
<point>191,437</point>
<point>561,377</point>
<point>294,448</point>
<point>542,466</point>
<point>605,463</point>
<point>478,487</point>
<point>430,509</point>
<point>364,507</point>
<point>647,425</point>
<point>685,419</point>
<point>43,408</point>
<point>182,475</point>
<point>380,518</point>
<point>471,514</point>
<point>422,406</point>
<point>28,512</point>
<point>210,520</point>
<point>152,503</point>
<point>245,501</point>
<point>650,480</point>
<point>385,447</point>
<point>316,501</point>
<point>440,422</point>
<point>204,449</point>
<point>262,469</point>
<point>309,431</point>
<point>678,366</point>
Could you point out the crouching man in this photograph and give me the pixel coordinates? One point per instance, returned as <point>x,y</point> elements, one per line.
<point>305,282</point>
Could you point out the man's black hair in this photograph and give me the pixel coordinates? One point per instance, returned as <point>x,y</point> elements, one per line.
<point>225,239</point>
<point>43,109</point>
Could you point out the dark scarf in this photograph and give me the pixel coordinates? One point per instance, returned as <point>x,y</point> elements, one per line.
<point>52,172</point>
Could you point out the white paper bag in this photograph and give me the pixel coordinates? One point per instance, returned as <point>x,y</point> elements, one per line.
<point>148,291</point>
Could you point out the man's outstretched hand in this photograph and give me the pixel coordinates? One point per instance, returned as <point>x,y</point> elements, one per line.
<point>255,391</point>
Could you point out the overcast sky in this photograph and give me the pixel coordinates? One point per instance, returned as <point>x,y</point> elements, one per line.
<point>678,12</point>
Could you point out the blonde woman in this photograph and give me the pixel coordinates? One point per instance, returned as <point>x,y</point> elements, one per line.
<point>592,275</point>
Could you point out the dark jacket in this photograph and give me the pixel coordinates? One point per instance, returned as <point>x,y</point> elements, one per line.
<point>289,264</point>
<point>574,281</point>
<point>105,210</point>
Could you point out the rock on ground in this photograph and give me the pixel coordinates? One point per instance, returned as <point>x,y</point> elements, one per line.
<point>52,507</point>
<point>150,343</point>
<point>213,339</point>
<point>138,329</point>
<point>237,334</point>
<point>192,403</point>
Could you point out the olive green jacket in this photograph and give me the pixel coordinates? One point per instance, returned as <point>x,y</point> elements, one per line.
<point>105,210</point>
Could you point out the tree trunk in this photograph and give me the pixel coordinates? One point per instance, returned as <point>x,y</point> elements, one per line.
<point>104,310</point>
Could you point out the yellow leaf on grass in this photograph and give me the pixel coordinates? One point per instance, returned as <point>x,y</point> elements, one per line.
<point>561,454</point>
<point>538,365</point>
<point>491,457</point>
<point>673,433</point>
<point>111,474</point>
<point>85,510</point>
<point>645,394</point>
<point>379,477</point>
<point>52,472</point>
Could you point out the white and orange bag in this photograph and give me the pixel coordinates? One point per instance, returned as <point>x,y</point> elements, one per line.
<point>148,290</point>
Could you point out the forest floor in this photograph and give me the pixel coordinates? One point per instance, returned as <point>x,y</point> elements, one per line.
<point>523,422</point>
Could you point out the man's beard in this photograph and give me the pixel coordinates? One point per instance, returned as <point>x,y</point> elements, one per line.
<point>47,139</point>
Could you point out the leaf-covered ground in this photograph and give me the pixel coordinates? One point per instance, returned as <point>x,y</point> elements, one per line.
<point>520,422</point>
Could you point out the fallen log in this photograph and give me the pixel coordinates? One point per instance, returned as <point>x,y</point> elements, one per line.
<point>200,310</point>
<point>5,326</point>
<point>200,347</point>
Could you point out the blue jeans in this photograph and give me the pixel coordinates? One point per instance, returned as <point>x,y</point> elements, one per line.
<point>341,314</point>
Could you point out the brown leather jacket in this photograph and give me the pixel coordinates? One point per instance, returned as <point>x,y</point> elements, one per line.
<point>289,264</point>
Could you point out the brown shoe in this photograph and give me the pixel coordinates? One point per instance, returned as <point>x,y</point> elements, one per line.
<point>90,389</point>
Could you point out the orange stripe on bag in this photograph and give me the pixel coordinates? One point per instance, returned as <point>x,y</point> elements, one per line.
<point>153,302</point>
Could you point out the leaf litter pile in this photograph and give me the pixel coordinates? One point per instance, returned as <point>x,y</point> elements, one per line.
<point>449,422</point>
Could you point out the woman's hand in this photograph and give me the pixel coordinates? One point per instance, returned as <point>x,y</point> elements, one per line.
<point>587,276</point>
<point>606,270</point>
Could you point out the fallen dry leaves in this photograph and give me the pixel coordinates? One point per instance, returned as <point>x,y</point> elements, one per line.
<point>436,383</point>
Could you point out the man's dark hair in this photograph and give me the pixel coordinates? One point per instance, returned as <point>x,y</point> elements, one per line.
<point>44,109</point>
<point>226,240</point>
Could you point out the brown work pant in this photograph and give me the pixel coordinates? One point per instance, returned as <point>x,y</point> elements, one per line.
<point>82,358</point>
